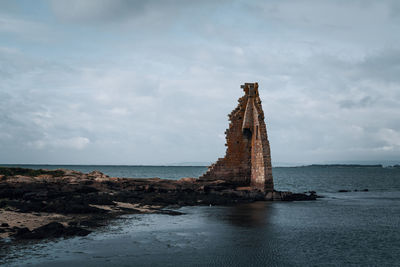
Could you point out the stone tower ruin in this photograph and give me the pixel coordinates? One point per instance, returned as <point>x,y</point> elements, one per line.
<point>248,159</point>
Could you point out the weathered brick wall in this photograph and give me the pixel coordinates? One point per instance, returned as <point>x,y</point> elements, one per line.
<point>247,160</point>
<point>261,155</point>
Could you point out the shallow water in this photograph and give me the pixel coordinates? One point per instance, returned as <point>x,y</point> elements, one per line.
<point>342,229</point>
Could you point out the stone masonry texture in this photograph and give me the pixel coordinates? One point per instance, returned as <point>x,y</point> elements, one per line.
<point>248,158</point>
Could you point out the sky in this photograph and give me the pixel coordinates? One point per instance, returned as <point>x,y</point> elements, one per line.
<point>152,82</point>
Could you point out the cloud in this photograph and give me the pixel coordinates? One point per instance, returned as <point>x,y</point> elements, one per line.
<point>150,13</point>
<point>70,143</point>
<point>24,29</point>
<point>363,102</point>
<point>127,82</point>
<point>97,10</point>
<point>55,106</point>
<point>383,65</point>
<point>390,137</point>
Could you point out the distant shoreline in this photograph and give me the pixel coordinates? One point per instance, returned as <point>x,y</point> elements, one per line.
<point>205,166</point>
<point>344,165</point>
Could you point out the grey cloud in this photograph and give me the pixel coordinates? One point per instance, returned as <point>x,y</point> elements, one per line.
<point>26,30</point>
<point>79,109</point>
<point>384,65</point>
<point>97,10</point>
<point>100,11</point>
<point>137,95</point>
<point>8,7</point>
<point>362,103</point>
<point>395,9</point>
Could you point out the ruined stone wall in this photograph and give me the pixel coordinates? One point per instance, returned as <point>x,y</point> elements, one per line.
<point>261,172</point>
<point>247,160</point>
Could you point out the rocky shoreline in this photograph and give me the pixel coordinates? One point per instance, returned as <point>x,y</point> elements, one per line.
<point>37,204</point>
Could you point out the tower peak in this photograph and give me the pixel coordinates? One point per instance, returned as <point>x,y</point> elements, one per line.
<point>250,89</point>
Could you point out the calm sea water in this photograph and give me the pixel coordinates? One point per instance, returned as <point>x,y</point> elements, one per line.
<point>341,229</point>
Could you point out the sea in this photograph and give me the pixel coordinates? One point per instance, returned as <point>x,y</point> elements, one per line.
<point>356,228</point>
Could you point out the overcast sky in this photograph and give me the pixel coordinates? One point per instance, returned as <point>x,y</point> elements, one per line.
<point>152,82</point>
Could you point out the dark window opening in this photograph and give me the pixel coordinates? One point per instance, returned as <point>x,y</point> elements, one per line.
<point>247,133</point>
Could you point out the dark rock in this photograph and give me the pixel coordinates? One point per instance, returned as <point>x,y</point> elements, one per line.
<point>41,195</point>
<point>4,225</point>
<point>70,207</point>
<point>50,230</point>
<point>11,171</point>
<point>88,182</point>
<point>108,183</point>
<point>76,231</point>
<point>365,190</point>
<point>86,189</point>
<point>29,206</point>
<point>170,212</point>
<point>298,197</point>
<point>14,229</point>
<point>129,210</point>
<point>21,231</point>
<point>174,206</point>
<point>53,229</point>
<point>343,191</point>
<point>89,223</point>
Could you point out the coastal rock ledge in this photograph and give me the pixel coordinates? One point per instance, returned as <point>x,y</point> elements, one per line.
<point>33,198</point>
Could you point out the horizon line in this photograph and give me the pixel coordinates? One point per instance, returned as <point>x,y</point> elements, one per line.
<point>182,165</point>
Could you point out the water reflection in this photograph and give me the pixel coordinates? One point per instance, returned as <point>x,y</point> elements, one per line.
<point>243,234</point>
<point>255,215</point>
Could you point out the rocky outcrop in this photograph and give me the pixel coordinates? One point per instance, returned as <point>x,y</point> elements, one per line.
<point>85,200</point>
